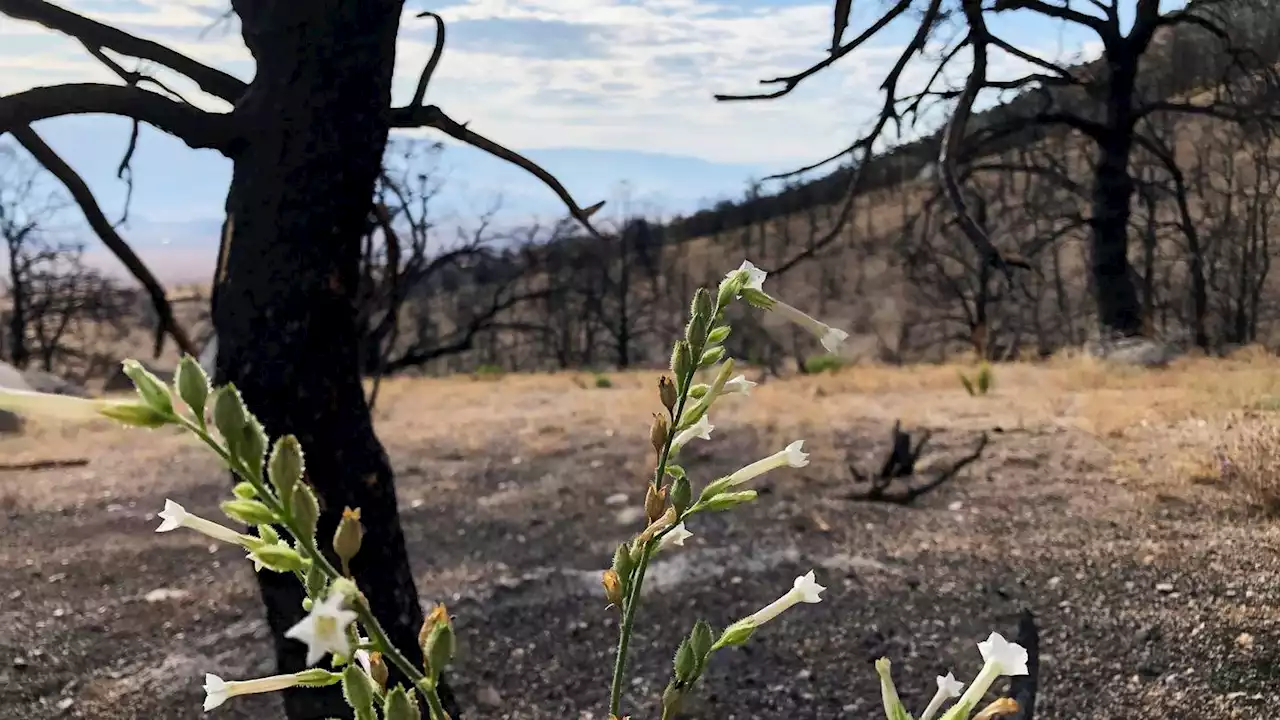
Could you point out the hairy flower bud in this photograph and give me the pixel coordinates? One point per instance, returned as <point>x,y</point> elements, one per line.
<point>378,669</point>
<point>612,587</point>
<point>681,494</point>
<point>306,511</point>
<point>658,433</point>
<point>667,393</point>
<point>193,386</point>
<point>655,502</point>
<point>681,361</point>
<point>153,392</point>
<point>348,536</point>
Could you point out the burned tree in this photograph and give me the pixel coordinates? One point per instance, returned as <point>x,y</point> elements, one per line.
<point>1103,103</point>
<point>306,137</point>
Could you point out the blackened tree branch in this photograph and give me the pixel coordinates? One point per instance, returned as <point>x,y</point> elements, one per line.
<point>197,128</point>
<point>83,197</point>
<point>96,35</point>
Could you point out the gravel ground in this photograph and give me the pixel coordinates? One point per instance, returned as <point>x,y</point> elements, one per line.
<point>1151,604</point>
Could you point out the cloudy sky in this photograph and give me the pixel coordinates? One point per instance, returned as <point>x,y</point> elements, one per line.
<point>602,92</point>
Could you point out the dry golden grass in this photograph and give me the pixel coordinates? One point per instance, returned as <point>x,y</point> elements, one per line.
<point>1164,427</point>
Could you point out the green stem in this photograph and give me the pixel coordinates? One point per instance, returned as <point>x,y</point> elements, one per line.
<point>435,709</point>
<point>624,634</point>
<point>377,636</point>
<point>633,597</point>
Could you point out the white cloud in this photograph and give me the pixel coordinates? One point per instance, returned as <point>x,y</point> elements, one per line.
<point>582,73</point>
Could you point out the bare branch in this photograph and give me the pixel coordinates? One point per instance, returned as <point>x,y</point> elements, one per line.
<point>433,117</point>
<point>430,69</point>
<point>979,38</point>
<point>1060,12</point>
<point>790,82</point>
<point>197,128</point>
<point>80,192</point>
<point>94,34</point>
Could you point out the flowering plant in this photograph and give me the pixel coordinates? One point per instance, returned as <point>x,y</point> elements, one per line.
<point>273,497</point>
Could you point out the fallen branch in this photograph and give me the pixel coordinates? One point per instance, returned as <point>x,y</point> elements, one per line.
<point>44,464</point>
<point>900,463</point>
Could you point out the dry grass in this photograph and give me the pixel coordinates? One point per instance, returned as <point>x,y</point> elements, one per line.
<point>1165,427</point>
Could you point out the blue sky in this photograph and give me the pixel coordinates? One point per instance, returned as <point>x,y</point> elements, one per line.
<point>602,92</point>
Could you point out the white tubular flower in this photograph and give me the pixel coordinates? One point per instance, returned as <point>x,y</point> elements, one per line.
<point>675,537</point>
<point>893,709</point>
<point>1000,658</point>
<point>948,687</point>
<point>831,338</point>
<point>739,386</point>
<point>217,690</point>
<point>701,429</point>
<point>792,456</point>
<point>362,657</point>
<point>175,516</point>
<point>755,276</point>
<point>62,407</point>
<point>805,589</point>
<point>324,629</point>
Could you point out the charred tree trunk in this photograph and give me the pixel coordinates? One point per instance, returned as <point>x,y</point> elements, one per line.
<point>315,123</point>
<point>1113,188</point>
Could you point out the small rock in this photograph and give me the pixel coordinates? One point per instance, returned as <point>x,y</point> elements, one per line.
<point>19,662</point>
<point>616,499</point>
<point>956,506</point>
<point>1245,641</point>
<point>65,703</point>
<point>488,696</point>
<point>1164,587</point>
<point>57,577</point>
<point>15,594</point>
<point>417,503</point>
<point>1054,581</point>
<point>162,594</point>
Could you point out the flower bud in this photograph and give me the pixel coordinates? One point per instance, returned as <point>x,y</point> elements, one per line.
<point>998,709</point>
<point>228,412</point>
<point>655,501</point>
<point>348,536</point>
<point>278,557</point>
<point>193,386</point>
<point>672,699</point>
<point>724,501</point>
<point>658,433</point>
<point>712,356</point>
<point>378,669</point>
<point>252,447</point>
<point>718,335</point>
<point>685,664</point>
<point>736,634</point>
<point>623,564</point>
<point>681,362</point>
<point>154,393</point>
<point>700,642</point>
<point>400,705</point>
<point>730,287</point>
<point>306,511</point>
<point>667,393</point>
<point>612,587</point>
<point>245,491</point>
<point>437,641</point>
<point>315,580</point>
<point>702,306</point>
<point>681,494</point>
<point>286,466</point>
<point>358,690</point>
<point>249,512</point>
<point>134,415</point>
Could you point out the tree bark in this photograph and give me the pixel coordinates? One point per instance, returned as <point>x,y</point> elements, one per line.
<point>314,124</point>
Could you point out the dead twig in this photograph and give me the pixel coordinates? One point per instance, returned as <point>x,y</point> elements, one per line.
<point>44,464</point>
<point>900,463</point>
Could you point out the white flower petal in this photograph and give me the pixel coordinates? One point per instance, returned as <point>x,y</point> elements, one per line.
<point>701,429</point>
<point>1008,658</point>
<point>795,455</point>
<point>833,338</point>
<point>215,691</point>
<point>63,407</point>
<point>675,537</point>
<point>324,628</point>
<point>172,516</point>
<point>807,588</point>
<point>755,276</point>
<point>949,686</point>
<point>739,385</point>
